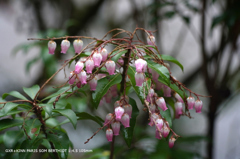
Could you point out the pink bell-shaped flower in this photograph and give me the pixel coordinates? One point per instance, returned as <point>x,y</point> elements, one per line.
<point>178,97</point>
<point>78,83</point>
<point>119,112</point>
<point>141,65</point>
<point>151,40</point>
<point>77,44</point>
<point>97,58</point>
<point>83,77</point>
<point>161,103</point>
<point>153,118</point>
<point>93,83</point>
<point>64,46</point>
<point>71,78</point>
<point>108,118</point>
<point>178,109</point>
<point>190,102</point>
<point>159,85</point>
<point>117,104</point>
<point>116,127</point>
<point>139,78</point>
<point>128,109</point>
<point>155,75</point>
<point>51,47</point>
<point>109,134</point>
<point>125,120</point>
<point>166,91</point>
<point>110,65</point>
<point>198,106</point>
<point>78,67</point>
<point>159,124</point>
<point>158,134</point>
<point>104,54</point>
<point>89,65</point>
<point>171,142</point>
<point>124,99</point>
<point>165,131</point>
<point>152,108</point>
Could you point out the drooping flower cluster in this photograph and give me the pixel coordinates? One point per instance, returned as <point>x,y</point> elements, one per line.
<point>122,114</point>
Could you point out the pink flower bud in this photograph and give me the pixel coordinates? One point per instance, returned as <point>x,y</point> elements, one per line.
<point>51,47</point>
<point>178,97</point>
<point>165,131</point>
<point>198,106</point>
<point>93,84</point>
<point>155,75</point>
<point>125,120</point>
<point>89,65</point>
<point>116,127</point>
<point>139,78</point>
<point>141,65</point>
<point>117,104</point>
<point>151,40</point>
<point>78,67</point>
<point>119,112</point>
<point>158,134</point>
<point>108,118</point>
<point>97,58</point>
<point>178,109</point>
<point>159,85</point>
<point>77,44</point>
<point>190,102</point>
<point>171,142</point>
<point>79,84</point>
<point>120,61</point>
<point>83,77</point>
<point>128,109</point>
<point>151,92</point>
<point>71,78</point>
<point>110,65</point>
<point>104,54</point>
<point>161,103</point>
<point>109,134</point>
<point>159,123</point>
<point>153,118</point>
<point>166,91</point>
<point>64,46</point>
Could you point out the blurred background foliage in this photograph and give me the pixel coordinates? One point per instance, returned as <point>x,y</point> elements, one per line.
<point>54,18</point>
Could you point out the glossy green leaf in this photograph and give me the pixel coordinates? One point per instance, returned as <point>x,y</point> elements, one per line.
<point>32,91</point>
<point>8,107</point>
<point>60,140</point>
<point>103,86</point>
<point>161,70</point>
<point>32,127</point>
<point>14,94</point>
<point>29,145</point>
<point>86,116</point>
<point>10,138</point>
<point>47,108</point>
<point>167,116</point>
<point>12,112</point>
<point>172,59</point>
<point>69,114</point>
<point>128,133</point>
<point>8,123</point>
<point>117,54</point>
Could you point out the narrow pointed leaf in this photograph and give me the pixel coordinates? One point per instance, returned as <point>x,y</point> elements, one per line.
<point>32,91</point>
<point>14,94</point>
<point>86,116</point>
<point>69,114</point>
<point>8,123</point>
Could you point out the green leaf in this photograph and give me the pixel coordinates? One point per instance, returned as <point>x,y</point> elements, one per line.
<point>167,116</point>
<point>8,107</point>
<point>117,54</point>
<point>32,91</point>
<point>69,114</point>
<point>172,59</point>
<point>47,108</point>
<point>161,70</point>
<point>10,138</point>
<point>128,132</point>
<point>174,87</point>
<point>12,112</point>
<point>14,94</point>
<point>60,140</point>
<point>8,123</point>
<point>29,144</point>
<point>32,127</point>
<point>169,14</point>
<point>103,86</point>
<point>86,116</point>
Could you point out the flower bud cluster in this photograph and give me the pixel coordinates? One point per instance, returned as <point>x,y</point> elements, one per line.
<point>122,114</point>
